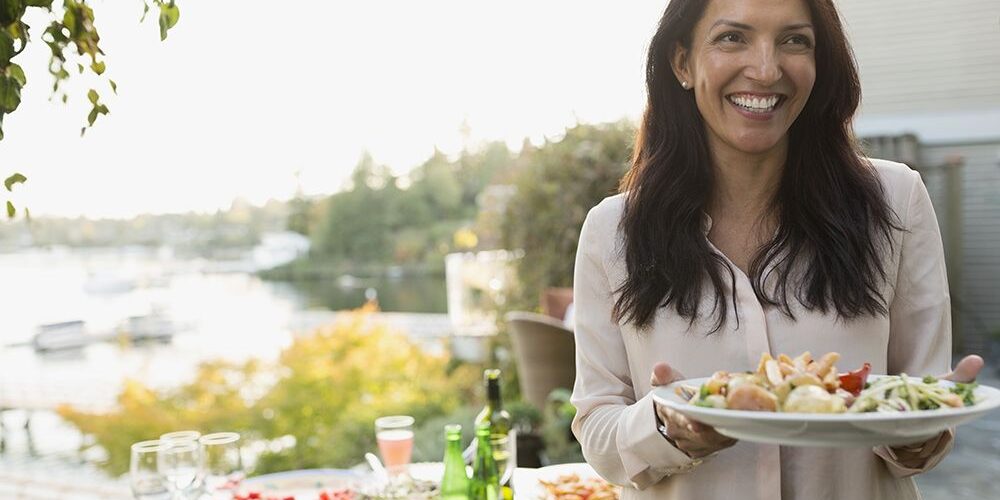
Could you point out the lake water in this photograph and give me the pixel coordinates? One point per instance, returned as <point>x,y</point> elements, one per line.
<point>218,315</point>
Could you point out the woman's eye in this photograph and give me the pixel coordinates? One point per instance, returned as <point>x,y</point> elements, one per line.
<point>729,37</point>
<point>799,40</point>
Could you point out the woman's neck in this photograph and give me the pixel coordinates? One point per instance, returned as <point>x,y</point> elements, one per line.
<point>745,184</point>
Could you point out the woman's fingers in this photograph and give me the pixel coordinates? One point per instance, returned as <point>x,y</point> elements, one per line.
<point>664,374</point>
<point>966,370</point>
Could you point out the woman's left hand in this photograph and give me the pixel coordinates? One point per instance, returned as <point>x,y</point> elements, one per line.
<point>915,455</point>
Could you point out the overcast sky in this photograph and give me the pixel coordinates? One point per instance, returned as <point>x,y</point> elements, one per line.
<point>244,94</point>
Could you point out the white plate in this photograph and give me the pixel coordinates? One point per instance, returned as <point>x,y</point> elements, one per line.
<point>527,487</point>
<point>306,483</point>
<point>829,430</point>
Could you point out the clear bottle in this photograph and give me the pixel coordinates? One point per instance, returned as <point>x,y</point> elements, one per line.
<point>485,483</point>
<point>497,418</point>
<point>455,484</point>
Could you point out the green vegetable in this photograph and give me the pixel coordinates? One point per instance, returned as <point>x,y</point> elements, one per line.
<point>703,393</point>
<point>966,392</point>
<point>930,380</point>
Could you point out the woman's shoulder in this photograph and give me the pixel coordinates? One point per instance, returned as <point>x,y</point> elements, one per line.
<point>605,216</point>
<point>898,181</point>
<point>600,228</point>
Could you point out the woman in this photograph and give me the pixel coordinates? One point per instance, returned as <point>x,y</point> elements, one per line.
<point>751,223</point>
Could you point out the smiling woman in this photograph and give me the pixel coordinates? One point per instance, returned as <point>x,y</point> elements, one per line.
<point>751,222</point>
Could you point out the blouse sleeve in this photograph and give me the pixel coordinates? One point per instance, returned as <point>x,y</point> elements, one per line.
<point>920,313</point>
<point>617,432</point>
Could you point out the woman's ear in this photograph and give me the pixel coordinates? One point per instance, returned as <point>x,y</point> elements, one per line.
<point>679,64</point>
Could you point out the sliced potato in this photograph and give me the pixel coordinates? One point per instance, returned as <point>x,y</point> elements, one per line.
<point>752,398</point>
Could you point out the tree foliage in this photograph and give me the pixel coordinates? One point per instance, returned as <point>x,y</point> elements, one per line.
<point>383,219</point>
<point>74,43</point>
<point>557,184</point>
<point>322,395</point>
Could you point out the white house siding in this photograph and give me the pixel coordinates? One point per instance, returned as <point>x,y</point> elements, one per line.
<point>979,298</point>
<point>931,68</point>
<point>925,55</point>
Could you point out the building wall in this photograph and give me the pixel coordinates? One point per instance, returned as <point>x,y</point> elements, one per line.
<point>931,68</point>
<point>925,55</point>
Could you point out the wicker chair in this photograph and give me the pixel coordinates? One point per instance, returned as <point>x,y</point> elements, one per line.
<point>545,352</point>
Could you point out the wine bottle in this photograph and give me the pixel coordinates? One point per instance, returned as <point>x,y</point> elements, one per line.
<point>497,418</point>
<point>455,484</point>
<point>485,483</point>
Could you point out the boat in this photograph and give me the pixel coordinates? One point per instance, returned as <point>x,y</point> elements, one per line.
<point>61,336</point>
<point>153,327</point>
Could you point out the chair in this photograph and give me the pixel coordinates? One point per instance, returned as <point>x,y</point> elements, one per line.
<point>545,352</point>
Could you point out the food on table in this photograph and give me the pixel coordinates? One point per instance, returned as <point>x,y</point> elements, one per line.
<point>341,494</point>
<point>573,487</point>
<point>806,385</point>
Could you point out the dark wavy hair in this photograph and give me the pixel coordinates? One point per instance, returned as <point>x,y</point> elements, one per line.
<point>833,221</point>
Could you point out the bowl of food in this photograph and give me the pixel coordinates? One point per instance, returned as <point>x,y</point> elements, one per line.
<point>803,401</point>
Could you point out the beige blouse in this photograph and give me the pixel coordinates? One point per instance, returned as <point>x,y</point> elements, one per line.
<point>615,421</point>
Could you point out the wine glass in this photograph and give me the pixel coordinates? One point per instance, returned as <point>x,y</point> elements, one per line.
<point>181,463</point>
<point>394,435</point>
<point>223,463</point>
<point>180,436</point>
<point>145,478</point>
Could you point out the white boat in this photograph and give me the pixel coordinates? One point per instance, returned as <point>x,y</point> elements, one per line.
<point>147,327</point>
<point>61,336</point>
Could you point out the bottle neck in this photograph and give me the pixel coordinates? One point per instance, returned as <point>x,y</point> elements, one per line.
<point>493,395</point>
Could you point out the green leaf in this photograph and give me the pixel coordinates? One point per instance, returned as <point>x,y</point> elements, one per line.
<point>10,210</point>
<point>92,117</point>
<point>79,67</point>
<point>6,47</point>
<point>114,86</point>
<point>10,11</point>
<point>12,180</point>
<point>47,4</point>
<point>10,94</point>
<point>65,97</point>
<point>145,10</point>
<point>169,15</point>
<point>14,71</point>
<point>93,96</point>
<point>98,67</point>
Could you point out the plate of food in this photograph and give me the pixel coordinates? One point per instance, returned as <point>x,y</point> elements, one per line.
<point>803,401</point>
<point>306,484</point>
<point>576,481</point>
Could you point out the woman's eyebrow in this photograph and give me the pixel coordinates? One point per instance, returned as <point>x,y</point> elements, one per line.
<point>747,27</point>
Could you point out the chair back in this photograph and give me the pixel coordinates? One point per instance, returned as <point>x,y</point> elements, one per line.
<point>545,352</point>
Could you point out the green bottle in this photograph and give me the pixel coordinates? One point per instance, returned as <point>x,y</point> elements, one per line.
<point>497,418</point>
<point>485,484</point>
<point>455,484</point>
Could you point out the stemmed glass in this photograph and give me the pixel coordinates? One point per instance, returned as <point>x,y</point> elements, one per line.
<point>181,463</point>
<point>223,463</point>
<point>146,479</point>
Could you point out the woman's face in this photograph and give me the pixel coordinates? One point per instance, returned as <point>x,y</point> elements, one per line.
<point>751,67</point>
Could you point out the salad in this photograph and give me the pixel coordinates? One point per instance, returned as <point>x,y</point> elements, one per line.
<point>806,385</point>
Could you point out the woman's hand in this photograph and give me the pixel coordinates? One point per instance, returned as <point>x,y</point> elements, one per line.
<point>915,455</point>
<point>690,436</point>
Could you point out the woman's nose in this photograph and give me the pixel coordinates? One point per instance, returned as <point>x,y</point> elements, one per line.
<point>764,66</point>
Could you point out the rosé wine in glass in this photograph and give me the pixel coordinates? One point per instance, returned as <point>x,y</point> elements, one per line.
<point>394,435</point>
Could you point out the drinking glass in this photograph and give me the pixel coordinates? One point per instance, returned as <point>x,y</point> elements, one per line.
<point>145,478</point>
<point>223,464</point>
<point>394,435</point>
<point>180,436</point>
<point>181,463</point>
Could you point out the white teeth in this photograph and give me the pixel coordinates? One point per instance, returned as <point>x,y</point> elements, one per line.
<point>755,103</point>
